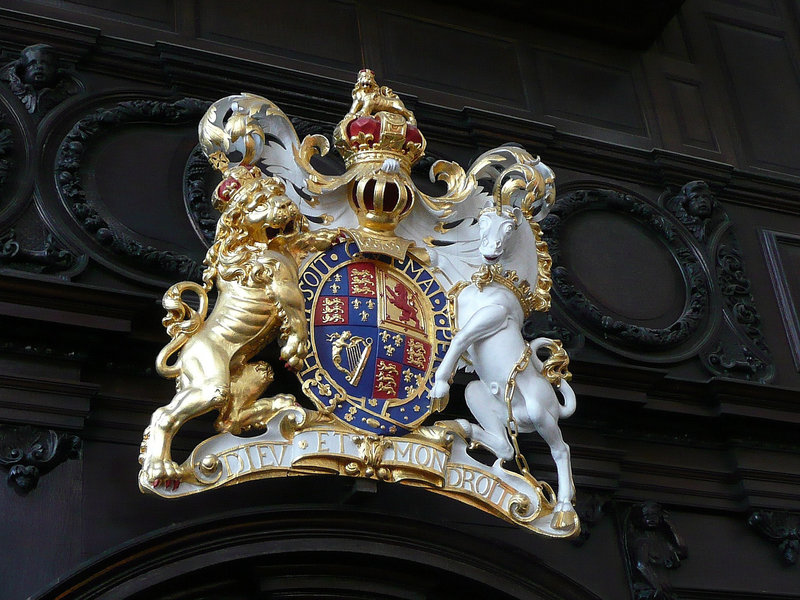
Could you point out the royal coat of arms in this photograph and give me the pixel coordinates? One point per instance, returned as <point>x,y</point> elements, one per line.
<point>379,328</point>
<point>376,293</point>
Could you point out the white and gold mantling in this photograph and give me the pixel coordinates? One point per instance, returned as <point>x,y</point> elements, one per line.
<point>376,293</point>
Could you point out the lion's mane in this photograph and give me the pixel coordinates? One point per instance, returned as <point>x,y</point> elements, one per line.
<point>234,256</point>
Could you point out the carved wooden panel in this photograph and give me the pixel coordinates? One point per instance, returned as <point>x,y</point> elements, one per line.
<point>764,86</point>
<point>321,31</point>
<point>456,61</point>
<point>15,161</point>
<point>589,92</point>
<point>610,293</point>
<point>782,252</point>
<point>656,283</point>
<point>692,116</point>
<point>673,42</point>
<point>115,169</point>
<point>153,13</point>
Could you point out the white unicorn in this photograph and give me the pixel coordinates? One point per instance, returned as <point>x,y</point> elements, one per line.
<point>488,319</point>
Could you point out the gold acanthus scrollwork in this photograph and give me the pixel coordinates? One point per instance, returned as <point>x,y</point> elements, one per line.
<point>459,184</point>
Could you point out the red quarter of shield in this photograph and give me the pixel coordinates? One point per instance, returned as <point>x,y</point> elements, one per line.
<point>417,353</point>
<point>331,310</point>
<point>387,379</point>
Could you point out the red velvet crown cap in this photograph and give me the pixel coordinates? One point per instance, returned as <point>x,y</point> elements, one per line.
<point>372,126</point>
<point>227,187</point>
<point>413,134</point>
<point>367,125</point>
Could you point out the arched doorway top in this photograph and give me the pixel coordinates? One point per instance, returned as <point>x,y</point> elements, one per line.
<point>298,551</point>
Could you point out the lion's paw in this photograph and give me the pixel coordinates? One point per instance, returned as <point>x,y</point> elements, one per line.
<point>294,351</point>
<point>163,472</point>
<point>294,363</point>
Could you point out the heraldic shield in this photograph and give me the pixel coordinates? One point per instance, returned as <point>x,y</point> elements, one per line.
<point>376,293</point>
<point>379,330</point>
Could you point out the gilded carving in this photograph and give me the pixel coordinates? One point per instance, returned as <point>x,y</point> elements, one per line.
<point>367,313</point>
<point>261,236</point>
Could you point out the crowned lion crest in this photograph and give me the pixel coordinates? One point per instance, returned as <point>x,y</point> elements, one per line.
<point>376,294</point>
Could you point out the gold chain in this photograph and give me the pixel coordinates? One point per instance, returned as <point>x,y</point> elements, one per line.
<point>511,425</point>
<point>549,496</point>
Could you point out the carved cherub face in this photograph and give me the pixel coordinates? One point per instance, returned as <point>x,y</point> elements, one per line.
<point>652,515</point>
<point>495,231</point>
<point>39,66</point>
<point>699,200</point>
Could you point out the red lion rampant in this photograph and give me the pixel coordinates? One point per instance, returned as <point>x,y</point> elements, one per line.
<point>399,297</point>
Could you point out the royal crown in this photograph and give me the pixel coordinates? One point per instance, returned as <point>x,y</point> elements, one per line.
<point>378,126</point>
<point>379,141</point>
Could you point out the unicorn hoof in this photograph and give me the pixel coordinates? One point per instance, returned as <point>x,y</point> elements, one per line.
<point>564,519</point>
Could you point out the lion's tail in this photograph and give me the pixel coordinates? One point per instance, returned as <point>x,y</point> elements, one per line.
<point>181,322</point>
<point>556,370</point>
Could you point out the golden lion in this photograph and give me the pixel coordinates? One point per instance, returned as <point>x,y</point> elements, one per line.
<point>261,239</point>
<point>369,98</point>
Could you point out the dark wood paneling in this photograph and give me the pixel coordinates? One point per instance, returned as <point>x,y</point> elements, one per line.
<point>782,252</point>
<point>764,6</point>
<point>41,531</point>
<point>133,171</point>
<point>589,92</point>
<point>725,548</point>
<point>323,31</point>
<point>624,23</point>
<point>634,277</point>
<point>668,434</point>
<point>455,61</point>
<point>673,41</point>
<point>764,86</point>
<point>157,13</point>
<point>692,116</point>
